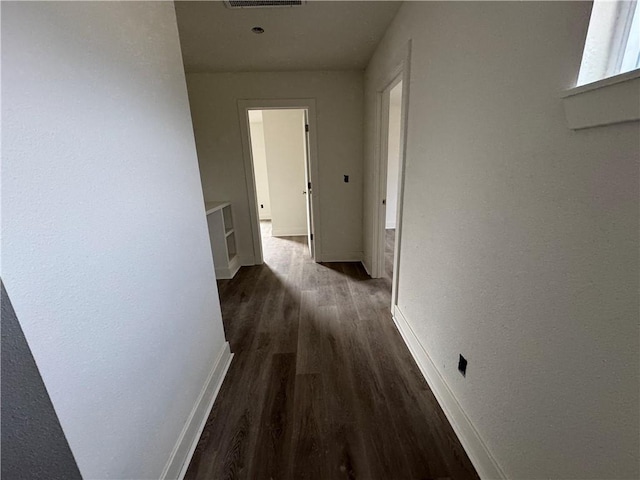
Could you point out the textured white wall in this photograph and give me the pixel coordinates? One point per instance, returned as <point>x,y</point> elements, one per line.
<point>393,154</point>
<point>259,156</point>
<point>520,236</point>
<point>105,247</point>
<point>285,149</point>
<point>338,98</point>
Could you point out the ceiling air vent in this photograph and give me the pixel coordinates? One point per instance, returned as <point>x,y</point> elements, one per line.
<point>263,3</point>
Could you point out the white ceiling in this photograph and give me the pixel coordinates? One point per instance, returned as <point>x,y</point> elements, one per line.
<point>321,35</point>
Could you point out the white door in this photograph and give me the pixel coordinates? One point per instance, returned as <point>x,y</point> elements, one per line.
<point>309,189</point>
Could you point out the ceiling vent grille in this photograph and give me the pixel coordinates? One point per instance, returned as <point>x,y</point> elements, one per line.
<point>263,3</point>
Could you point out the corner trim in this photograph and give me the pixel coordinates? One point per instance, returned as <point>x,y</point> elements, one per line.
<point>176,467</point>
<point>364,265</point>
<point>226,273</point>
<point>479,454</point>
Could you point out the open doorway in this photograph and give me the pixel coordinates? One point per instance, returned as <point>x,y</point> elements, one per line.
<point>389,173</point>
<point>280,168</point>
<point>390,204</point>
<point>278,150</point>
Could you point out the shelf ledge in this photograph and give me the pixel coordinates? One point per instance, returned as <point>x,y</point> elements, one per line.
<point>605,102</point>
<point>211,207</point>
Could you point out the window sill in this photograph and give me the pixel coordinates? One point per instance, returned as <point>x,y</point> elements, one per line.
<point>605,102</point>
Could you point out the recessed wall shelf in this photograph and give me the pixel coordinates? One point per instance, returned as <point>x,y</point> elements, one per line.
<point>223,241</point>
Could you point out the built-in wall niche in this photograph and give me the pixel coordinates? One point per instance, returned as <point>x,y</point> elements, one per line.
<point>223,239</point>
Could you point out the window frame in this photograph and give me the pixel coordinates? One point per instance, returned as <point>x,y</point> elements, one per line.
<point>612,97</point>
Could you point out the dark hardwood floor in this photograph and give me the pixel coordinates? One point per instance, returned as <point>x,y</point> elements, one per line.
<point>322,385</point>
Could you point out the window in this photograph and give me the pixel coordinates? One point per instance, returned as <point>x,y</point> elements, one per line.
<point>613,41</point>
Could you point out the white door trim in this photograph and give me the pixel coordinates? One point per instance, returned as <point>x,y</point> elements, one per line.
<point>308,104</point>
<point>395,75</point>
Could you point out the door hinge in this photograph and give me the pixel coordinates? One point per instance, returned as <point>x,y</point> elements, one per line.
<point>306,127</point>
<point>309,185</point>
<point>311,236</point>
<point>384,202</point>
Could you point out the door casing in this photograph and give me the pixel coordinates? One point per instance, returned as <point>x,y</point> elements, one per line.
<point>401,72</point>
<point>308,104</point>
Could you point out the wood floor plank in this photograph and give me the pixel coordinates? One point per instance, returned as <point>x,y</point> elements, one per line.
<point>309,443</point>
<point>271,456</point>
<point>310,341</point>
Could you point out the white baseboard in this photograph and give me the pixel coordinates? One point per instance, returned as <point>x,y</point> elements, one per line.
<point>230,271</point>
<point>247,260</point>
<point>482,460</point>
<point>289,232</point>
<point>341,257</point>
<point>366,268</point>
<point>176,467</point>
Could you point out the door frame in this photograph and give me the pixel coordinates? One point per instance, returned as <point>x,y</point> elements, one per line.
<point>401,72</point>
<point>308,104</point>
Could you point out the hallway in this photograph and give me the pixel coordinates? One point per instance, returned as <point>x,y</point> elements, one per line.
<point>322,385</point>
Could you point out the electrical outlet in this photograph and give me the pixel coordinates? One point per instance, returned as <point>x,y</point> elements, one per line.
<point>462,366</point>
<point>261,205</point>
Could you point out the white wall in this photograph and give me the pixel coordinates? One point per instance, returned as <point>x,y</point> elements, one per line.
<point>259,156</point>
<point>393,154</point>
<point>520,236</point>
<point>285,148</point>
<point>338,95</point>
<point>105,250</point>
